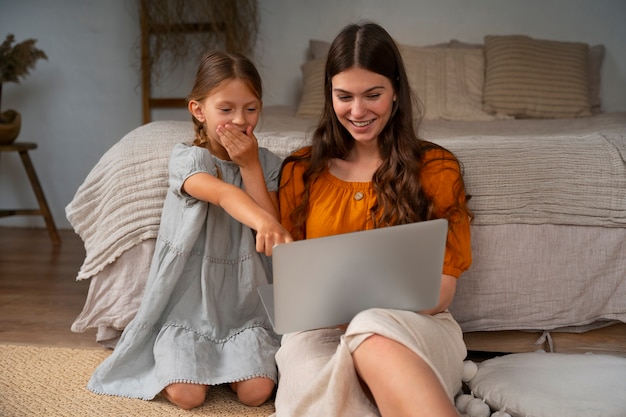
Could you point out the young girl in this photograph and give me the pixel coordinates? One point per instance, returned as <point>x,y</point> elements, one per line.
<point>201,322</point>
<point>367,168</point>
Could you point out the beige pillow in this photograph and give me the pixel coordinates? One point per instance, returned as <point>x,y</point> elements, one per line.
<point>447,81</point>
<point>455,43</point>
<point>596,57</point>
<point>533,78</point>
<point>318,49</point>
<point>312,100</point>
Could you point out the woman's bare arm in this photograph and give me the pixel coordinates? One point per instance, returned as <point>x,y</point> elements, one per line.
<point>446,294</point>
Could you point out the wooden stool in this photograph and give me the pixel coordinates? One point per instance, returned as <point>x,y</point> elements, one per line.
<point>44,210</point>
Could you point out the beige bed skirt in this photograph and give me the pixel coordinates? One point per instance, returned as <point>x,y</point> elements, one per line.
<point>524,277</point>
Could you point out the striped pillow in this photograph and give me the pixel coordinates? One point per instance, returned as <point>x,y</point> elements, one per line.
<point>533,78</point>
<point>447,81</point>
<point>312,102</point>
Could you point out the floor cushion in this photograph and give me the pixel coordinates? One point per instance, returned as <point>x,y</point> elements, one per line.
<point>540,384</point>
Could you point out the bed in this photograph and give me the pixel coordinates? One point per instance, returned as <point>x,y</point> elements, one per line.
<point>547,175</point>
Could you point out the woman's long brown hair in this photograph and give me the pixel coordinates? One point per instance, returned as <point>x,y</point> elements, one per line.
<point>400,198</point>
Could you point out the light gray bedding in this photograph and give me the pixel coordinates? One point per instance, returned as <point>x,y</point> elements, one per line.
<point>548,239</point>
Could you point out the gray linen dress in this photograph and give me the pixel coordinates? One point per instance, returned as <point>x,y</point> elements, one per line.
<point>201,320</point>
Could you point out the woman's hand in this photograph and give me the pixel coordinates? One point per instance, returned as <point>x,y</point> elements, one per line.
<point>242,147</point>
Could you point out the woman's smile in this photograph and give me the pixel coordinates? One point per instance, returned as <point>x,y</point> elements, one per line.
<point>360,124</point>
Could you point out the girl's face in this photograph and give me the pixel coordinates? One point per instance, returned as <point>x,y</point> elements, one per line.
<point>232,102</point>
<point>363,102</point>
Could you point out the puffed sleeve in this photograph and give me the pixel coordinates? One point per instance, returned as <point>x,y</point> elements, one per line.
<point>290,192</point>
<point>185,161</point>
<point>270,163</point>
<point>442,182</point>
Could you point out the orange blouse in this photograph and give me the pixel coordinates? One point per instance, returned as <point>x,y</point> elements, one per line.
<point>341,207</point>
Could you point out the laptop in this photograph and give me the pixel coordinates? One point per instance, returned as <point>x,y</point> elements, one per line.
<point>325,282</point>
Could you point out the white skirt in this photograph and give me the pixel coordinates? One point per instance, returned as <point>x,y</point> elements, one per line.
<point>317,375</point>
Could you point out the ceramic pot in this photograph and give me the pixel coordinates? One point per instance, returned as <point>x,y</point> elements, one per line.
<point>10,124</point>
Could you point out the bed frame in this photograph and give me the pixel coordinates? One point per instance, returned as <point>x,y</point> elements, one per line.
<point>609,340</point>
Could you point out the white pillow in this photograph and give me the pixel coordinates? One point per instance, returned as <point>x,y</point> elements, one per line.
<point>540,384</point>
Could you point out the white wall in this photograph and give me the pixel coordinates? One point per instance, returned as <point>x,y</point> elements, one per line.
<point>287,25</point>
<point>86,96</point>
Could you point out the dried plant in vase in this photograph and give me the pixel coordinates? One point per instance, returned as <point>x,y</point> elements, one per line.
<point>15,63</point>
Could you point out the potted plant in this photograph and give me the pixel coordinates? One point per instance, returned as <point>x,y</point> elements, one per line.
<point>15,62</point>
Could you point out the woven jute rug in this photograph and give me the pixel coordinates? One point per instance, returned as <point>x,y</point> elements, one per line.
<point>51,381</point>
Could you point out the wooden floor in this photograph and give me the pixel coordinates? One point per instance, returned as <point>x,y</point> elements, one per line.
<point>40,298</point>
<point>39,294</point>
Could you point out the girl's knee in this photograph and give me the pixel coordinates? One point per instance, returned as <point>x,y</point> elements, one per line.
<point>186,396</point>
<point>254,392</point>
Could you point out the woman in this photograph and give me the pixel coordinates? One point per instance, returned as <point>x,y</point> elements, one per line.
<point>367,168</point>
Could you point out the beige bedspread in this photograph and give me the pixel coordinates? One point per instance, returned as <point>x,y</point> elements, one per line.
<point>518,171</point>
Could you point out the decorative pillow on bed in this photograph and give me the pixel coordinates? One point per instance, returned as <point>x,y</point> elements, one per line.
<point>312,100</point>
<point>318,49</point>
<point>455,43</point>
<point>534,78</point>
<point>543,384</point>
<point>596,57</point>
<point>448,81</point>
